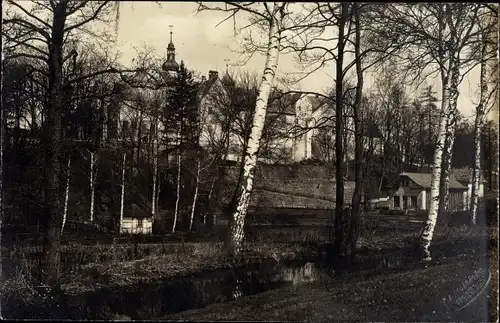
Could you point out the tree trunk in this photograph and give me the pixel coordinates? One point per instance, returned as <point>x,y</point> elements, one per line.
<point>235,237</point>
<point>478,125</point>
<point>358,152</point>
<point>122,194</point>
<point>155,174</point>
<point>449,95</point>
<point>195,197</point>
<point>2,137</point>
<point>340,229</point>
<point>214,214</point>
<point>93,176</point>
<point>52,145</point>
<point>66,196</point>
<point>178,197</point>
<point>447,157</point>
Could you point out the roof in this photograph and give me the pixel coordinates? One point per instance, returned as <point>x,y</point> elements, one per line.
<point>134,211</point>
<point>465,174</point>
<point>424,180</point>
<point>206,86</point>
<point>283,103</point>
<point>317,101</point>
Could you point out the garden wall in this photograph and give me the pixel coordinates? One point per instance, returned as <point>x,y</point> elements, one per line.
<point>292,186</point>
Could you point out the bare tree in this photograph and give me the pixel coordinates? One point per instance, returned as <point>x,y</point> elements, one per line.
<point>441,35</point>
<point>44,40</point>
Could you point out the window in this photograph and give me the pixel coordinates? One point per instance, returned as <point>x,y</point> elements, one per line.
<point>139,223</point>
<point>396,201</point>
<point>414,202</point>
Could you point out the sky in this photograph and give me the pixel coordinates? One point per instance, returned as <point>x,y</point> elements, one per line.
<point>204,47</point>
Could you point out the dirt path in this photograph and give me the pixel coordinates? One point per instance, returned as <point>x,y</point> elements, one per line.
<point>408,295</point>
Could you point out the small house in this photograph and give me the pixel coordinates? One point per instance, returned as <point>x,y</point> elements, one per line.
<point>411,191</point>
<point>136,221</point>
<point>464,177</point>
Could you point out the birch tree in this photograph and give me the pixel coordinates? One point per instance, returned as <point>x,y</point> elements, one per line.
<point>271,18</point>
<point>442,35</point>
<point>488,52</point>
<point>122,190</point>
<point>66,194</point>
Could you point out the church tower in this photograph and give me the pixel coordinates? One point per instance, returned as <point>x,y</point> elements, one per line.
<point>170,66</point>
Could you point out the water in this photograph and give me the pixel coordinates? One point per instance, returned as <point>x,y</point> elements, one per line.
<point>152,300</point>
<point>161,298</point>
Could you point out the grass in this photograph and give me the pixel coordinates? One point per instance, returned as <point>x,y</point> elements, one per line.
<point>87,268</point>
<point>386,296</point>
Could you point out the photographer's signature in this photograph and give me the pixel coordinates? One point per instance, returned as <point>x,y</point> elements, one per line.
<point>469,290</point>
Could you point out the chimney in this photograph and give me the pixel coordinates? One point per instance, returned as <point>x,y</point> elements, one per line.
<point>213,75</point>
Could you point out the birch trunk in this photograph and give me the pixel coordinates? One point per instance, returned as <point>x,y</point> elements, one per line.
<point>122,195</point>
<point>447,158</point>
<point>214,214</point>
<point>92,185</point>
<point>66,196</point>
<point>176,213</point>
<point>478,125</point>
<point>155,175</point>
<point>449,92</point>
<point>235,237</point>
<point>195,197</point>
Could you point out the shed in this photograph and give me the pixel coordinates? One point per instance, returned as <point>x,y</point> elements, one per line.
<point>411,191</point>
<point>136,221</point>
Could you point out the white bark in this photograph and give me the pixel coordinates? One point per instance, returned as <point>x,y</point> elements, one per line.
<point>122,195</point>
<point>176,213</point>
<point>66,195</point>
<point>195,197</point>
<point>214,215</point>
<point>449,96</point>
<point>155,175</point>
<point>272,58</point>
<point>448,153</point>
<point>92,185</point>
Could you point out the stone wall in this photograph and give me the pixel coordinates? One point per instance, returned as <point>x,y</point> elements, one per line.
<point>292,186</point>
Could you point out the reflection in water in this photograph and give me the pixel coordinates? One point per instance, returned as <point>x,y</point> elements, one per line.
<point>238,290</point>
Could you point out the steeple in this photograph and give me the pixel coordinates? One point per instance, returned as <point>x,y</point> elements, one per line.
<point>170,64</point>
<point>227,80</point>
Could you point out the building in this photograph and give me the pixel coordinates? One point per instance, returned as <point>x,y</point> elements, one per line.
<point>464,177</point>
<point>411,191</point>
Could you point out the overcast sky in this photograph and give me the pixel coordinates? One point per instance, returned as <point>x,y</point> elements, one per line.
<point>203,46</point>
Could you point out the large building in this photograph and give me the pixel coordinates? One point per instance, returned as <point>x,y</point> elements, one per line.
<point>294,123</point>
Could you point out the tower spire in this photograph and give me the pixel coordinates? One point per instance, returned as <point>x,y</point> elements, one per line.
<point>171,26</point>
<point>227,60</point>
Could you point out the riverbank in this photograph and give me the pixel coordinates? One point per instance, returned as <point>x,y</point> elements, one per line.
<point>411,294</point>
<point>108,269</point>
